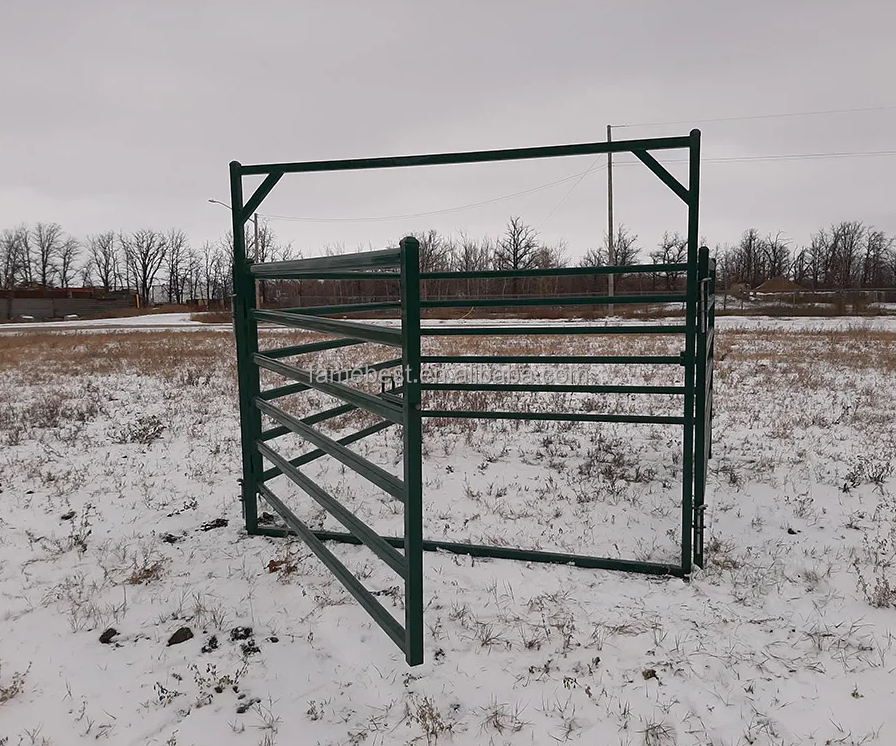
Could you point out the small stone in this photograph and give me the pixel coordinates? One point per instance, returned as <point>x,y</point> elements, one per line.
<point>273,639</point>
<point>240,633</point>
<point>170,538</point>
<point>212,644</point>
<point>68,515</point>
<point>250,648</point>
<point>792,532</point>
<point>182,635</point>
<point>216,523</point>
<point>649,673</point>
<point>107,636</point>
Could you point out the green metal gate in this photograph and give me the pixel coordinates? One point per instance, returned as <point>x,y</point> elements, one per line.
<point>404,406</point>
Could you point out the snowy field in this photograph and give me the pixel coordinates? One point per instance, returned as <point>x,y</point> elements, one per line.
<point>119,459</point>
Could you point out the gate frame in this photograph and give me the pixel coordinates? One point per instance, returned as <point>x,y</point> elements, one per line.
<point>403,406</point>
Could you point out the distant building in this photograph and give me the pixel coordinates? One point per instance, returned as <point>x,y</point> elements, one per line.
<point>779,284</point>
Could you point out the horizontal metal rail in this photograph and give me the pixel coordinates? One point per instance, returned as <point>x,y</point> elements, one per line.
<point>370,471</point>
<point>580,300</point>
<point>313,419</point>
<point>354,586</point>
<point>307,458</point>
<point>473,156</point>
<point>619,269</point>
<point>281,391</point>
<point>554,359</point>
<point>480,331</point>
<point>330,344</point>
<point>355,525</point>
<point>382,259</point>
<point>344,308</point>
<point>324,275</point>
<point>553,388</point>
<point>383,335</point>
<point>341,375</point>
<point>513,553</point>
<point>361,399</point>
<point>461,414</point>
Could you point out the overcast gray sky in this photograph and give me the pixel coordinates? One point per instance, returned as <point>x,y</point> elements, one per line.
<point>119,115</point>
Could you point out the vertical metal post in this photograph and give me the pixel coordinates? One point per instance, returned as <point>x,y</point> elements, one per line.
<point>693,290</point>
<point>413,449</point>
<point>611,241</point>
<point>246,332</point>
<point>701,402</point>
<point>257,283</point>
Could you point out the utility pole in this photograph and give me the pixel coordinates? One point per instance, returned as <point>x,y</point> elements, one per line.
<point>255,251</point>
<point>611,249</point>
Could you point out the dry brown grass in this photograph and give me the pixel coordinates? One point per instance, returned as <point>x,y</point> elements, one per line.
<point>845,349</point>
<point>46,355</point>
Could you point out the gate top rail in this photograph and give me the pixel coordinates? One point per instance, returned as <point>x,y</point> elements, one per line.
<point>473,156</point>
<point>382,259</point>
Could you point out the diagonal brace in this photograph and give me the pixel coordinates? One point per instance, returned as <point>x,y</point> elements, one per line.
<point>660,170</point>
<point>264,189</point>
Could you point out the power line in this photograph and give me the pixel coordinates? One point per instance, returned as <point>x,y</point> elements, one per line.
<point>442,211</point>
<point>781,157</point>
<point>592,168</point>
<point>578,178</point>
<point>747,117</point>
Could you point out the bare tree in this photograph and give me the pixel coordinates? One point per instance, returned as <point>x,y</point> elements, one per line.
<point>517,248</point>
<point>776,256</point>
<point>435,251</point>
<point>624,247</point>
<point>551,257</point>
<point>13,253</point>
<point>67,256</point>
<point>144,253</point>
<point>176,258</point>
<point>101,251</point>
<point>876,259</point>
<point>48,239</point>
<point>594,257</point>
<point>672,249</point>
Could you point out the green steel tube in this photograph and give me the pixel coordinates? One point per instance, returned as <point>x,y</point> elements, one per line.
<point>586,300</point>
<point>354,586</point>
<point>307,458</point>
<point>352,329</point>
<point>511,553</point>
<point>618,269</point>
<point>370,471</point>
<point>376,404</point>
<point>344,308</point>
<point>367,536</point>
<point>690,353</point>
<point>555,388</point>
<point>382,259</point>
<point>413,448</point>
<point>313,419</point>
<point>475,156</point>
<point>497,331</point>
<point>461,414</point>
<point>341,375</point>
<point>246,334</point>
<point>330,344</point>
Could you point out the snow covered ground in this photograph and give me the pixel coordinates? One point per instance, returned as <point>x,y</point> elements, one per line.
<point>119,460</point>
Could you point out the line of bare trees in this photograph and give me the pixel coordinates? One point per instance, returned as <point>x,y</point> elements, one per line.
<point>164,266</point>
<point>157,265</point>
<point>849,254</point>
